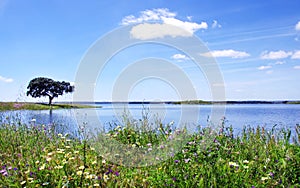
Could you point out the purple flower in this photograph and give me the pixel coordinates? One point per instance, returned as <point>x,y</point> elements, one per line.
<point>117,173</point>
<point>272,174</point>
<point>15,169</point>
<point>252,186</point>
<point>174,179</point>
<point>176,161</point>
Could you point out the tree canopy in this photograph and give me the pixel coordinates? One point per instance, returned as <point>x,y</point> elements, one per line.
<point>46,87</point>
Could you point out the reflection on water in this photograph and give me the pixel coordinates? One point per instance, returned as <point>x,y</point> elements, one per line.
<point>72,120</point>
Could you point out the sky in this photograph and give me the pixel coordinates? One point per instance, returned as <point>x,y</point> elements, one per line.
<point>256,45</point>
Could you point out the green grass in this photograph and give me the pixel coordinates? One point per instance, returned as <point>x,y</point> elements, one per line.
<point>36,157</point>
<point>4,106</point>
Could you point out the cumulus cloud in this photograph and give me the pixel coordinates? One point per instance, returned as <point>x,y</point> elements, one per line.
<point>215,24</point>
<point>226,53</point>
<point>160,18</point>
<point>148,31</point>
<point>6,80</point>
<point>296,55</point>
<point>275,54</point>
<point>297,26</point>
<point>179,57</point>
<point>264,67</point>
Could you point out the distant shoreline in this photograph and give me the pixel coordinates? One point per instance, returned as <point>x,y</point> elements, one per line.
<point>191,102</point>
<point>6,106</point>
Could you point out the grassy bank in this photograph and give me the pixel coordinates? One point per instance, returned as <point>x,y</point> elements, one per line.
<point>35,157</point>
<point>4,106</point>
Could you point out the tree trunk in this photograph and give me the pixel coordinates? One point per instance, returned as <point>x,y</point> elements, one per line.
<point>50,100</point>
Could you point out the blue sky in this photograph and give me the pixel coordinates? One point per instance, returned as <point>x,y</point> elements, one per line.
<point>255,43</point>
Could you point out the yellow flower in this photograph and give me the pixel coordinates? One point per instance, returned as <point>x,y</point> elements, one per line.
<point>79,173</point>
<point>96,185</point>
<point>93,149</point>
<point>58,167</point>
<point>29,179</point>
<point>37,162</point>
<point>105,177</point>
<point>68,147</point>
<point>76,152</point>
<point>50,153</point>
<point>48,159</point>
<point>81,167</point>
<point>42,167</point>
<point>94,162</point>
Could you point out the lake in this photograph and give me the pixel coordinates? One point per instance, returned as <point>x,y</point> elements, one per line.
<point>191,116</point>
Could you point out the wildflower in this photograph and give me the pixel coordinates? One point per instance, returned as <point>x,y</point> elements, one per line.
<point>264,178</point>
<point>187,160</point>
<point>60,135</point>
<point>103,161</point>
<point>79,173</point>
<point>245,161</point>
<point>149,149</point>
<point>68,147</point>
<point>105,178</point>
<point>49,154</point>
<point>176,161</point>
<point>37,162</point>
<point>93,149</point>
<point>246,167</point>
<point>76,152</point>
<point>94,162</point>
<point>23,182</point>
<point>48,159</point>
<point>81,167</point>
<point>271,174</point>
<point>29,179</point>
<point>96,185</point>
<point>117,173</point>
<point>42,167</point>
<point>15,169</point>
<point>58,167</point>
<point>68,140</point>
<point>231,164</point>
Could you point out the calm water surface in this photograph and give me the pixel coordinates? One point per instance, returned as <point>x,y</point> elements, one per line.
<point>239,115</point>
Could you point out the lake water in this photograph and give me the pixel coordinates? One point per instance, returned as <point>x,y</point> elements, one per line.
<point>238,115</point>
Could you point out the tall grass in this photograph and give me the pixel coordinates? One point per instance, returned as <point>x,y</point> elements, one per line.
<point>35,156</point>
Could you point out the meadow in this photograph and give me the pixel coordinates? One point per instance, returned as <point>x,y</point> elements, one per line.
<point>36,156</point>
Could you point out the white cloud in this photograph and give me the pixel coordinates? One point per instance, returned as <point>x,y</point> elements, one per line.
<point>162,17</point>
<point>226,53</point>
<point>215,24</point>
<point>297,67</point>
<point>297,26</point>
<point>148,31</point>
<point>188,26</point>
<point>179,57</point>
<point>7,80</point>
<point>296,55</point>
<point>269,72</point>
<point>275,54</point>
<point>279,63</point>
<point>264,67</point>
<point>189,18</point>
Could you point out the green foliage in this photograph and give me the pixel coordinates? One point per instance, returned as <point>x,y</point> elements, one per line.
<point>46,87</point>
<point>36,156</point>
